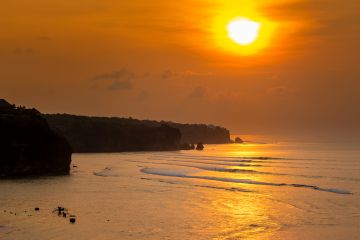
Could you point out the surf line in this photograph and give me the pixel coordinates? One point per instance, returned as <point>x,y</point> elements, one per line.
<point>244,181</point>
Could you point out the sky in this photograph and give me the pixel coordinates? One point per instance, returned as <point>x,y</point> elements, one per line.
<point>172,60</point>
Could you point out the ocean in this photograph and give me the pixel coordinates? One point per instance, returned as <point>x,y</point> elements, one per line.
<point>275,190</point>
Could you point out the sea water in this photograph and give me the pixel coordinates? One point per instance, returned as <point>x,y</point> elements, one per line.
<point>279,190</point>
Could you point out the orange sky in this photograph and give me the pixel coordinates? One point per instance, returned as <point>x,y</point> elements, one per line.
<point>161,59</point>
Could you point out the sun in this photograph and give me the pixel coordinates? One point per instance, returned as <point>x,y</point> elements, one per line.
<point>243,31</point>
<point>244,34</point>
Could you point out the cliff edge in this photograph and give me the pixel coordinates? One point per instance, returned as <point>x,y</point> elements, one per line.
<point>28,147</point>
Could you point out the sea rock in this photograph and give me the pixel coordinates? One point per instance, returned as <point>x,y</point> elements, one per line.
<point>199,146</point>
<point>238,140</point>
<point>72,219</point>
<point>28,147</point>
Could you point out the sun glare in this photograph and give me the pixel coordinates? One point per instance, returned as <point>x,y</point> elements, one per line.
<point>243,31</point>
<point>245,34</point>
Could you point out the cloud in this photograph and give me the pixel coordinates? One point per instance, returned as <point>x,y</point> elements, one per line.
<point>23,51</point>
<point>322,17</point>
<point>116,75</point>
<point>278,91</point>
<point>116,80</point>
<point>143,95</point>
<point>183,74</point>
<point>120,85</point>
<point>168,74</point>
<point>191,73</point>
<point>197,93</point>
<point>284,92</point>
<point>44,38</point>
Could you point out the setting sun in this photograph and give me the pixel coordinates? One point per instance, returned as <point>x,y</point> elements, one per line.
<point>243,28</point>
<point>243,31</point>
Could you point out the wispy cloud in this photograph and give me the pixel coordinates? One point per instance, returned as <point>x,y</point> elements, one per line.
<point>116,74</point>
<point>44,38</point>
<point>120,85</point>
<point>23,51</point>
<point>197,93</point>
<point>115,80</point>
<point>167,74</point>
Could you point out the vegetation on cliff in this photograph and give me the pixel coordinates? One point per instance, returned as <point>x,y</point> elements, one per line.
<point>207,134</point>
<point>195,133</point>
<point>100,134</point>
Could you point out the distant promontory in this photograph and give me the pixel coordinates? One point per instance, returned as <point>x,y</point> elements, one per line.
<point>103,134</point>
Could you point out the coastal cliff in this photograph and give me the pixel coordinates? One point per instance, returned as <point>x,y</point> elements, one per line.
<point>101,134</point>
<point>28,147</point>
<point>195,133</point>
<point>208,134</point>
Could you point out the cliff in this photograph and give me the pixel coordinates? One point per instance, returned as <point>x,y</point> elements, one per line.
<point>28,146</point>
<point>195,133</point>
<point>208,134</point>
<point>100,134</point>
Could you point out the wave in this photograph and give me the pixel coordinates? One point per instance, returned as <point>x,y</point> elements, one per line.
<point>258,160</point>
<point>231,189</point>
<point>107,172</point>
<point>203,159</point>
<point>241,163</point>
<point>200,167</point>
<point>232,170</point>
<point>168,173</point>
<point>211,163</point>
<point>228,170</point>
<point>216,158</point>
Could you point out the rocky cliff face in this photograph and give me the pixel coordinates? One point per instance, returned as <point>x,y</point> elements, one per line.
<point>28,147</point>
<point>208,134</point>
<point>100,134</point>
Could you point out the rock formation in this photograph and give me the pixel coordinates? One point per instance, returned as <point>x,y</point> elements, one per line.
<point>200,146</point>
<point>28,147</point>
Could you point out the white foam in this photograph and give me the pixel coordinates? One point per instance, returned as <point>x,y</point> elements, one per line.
<point>107,172</point>
<point>229,170</point>
<point>170,173</point>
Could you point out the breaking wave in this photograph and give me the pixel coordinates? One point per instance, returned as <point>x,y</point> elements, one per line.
<point>107,172</point>
<point>231,189</point>
<point>228,170</point>
<point>168,173</point>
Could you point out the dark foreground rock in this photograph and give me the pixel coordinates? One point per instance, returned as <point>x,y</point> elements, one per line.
<point>28,147</point>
